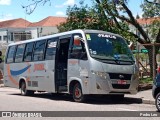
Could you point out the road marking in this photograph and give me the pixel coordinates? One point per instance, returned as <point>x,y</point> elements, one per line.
<point>126,109</point>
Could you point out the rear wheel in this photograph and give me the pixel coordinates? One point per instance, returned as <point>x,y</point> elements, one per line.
<point>77,93</point>
<point>157,102</point>
<point>24,91</point>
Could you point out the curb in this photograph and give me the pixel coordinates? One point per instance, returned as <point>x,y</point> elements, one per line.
<point>146,101</point>
<point>140,100</point>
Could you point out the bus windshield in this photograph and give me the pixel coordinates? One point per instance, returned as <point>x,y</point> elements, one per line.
<point>108,47</point>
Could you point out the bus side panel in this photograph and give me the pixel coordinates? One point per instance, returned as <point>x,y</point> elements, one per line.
<point>42,76</point>
<point>38,75</point>
<point>9,79</point>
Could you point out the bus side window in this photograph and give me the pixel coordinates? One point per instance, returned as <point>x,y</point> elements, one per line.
<point>11,53</point>
<point>19,53</point>
<point>51,49</point>
<point>39,50</point>
<point>78,50</point>
<point>28,52</point>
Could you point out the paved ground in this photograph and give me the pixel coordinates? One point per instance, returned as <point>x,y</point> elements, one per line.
<point>11,100</point>
<point>144,96</point>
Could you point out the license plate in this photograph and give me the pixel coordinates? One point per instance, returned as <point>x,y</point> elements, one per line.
<point>122,82</point>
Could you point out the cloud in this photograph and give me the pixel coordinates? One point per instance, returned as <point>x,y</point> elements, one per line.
<point>6,17</point>
<point>59,13</point>
<point>67,3</point>
<point>58,6</point>
<point>5,2</point>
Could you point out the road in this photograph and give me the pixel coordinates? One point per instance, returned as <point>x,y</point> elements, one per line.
<point>11,100</point>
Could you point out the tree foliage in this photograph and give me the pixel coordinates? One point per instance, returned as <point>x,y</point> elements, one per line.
<point>84,17</point>
<point>94,17</point>
<point>150,10</point>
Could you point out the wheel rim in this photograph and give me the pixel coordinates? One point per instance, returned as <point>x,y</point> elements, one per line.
<point>158,102</point>
<point>77,92</point>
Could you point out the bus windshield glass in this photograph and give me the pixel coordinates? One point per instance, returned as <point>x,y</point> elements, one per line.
<point>108,47</point>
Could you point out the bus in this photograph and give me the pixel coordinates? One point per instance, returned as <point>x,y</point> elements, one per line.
<point>78,62</point>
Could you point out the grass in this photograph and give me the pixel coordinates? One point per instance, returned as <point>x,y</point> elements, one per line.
<point>146,80</point>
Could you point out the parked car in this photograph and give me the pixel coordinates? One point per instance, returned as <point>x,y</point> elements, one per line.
<point>156,89</point>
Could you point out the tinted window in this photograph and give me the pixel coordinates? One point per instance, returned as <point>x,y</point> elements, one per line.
<point>10,56</point>
<point>19,53</point>
<point>51,49</point>
<point>28,52</point>
<point>39,50</point>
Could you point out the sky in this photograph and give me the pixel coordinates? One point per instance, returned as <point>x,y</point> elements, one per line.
<point>12,9</point>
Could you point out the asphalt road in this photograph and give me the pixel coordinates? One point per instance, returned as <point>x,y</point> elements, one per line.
<point>11,100</point>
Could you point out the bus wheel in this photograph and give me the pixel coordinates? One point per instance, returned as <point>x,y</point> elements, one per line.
<point>157,102</point>
<point>77,93</point>
<point>24,91</point>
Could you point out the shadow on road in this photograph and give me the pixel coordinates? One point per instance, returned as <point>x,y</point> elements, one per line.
<point>98,100</point>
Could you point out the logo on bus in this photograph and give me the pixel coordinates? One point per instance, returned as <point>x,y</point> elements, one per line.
<point>39,67</point>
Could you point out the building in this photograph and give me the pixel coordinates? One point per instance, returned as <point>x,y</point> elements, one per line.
<point>145,23</point>
<point>20,29</point>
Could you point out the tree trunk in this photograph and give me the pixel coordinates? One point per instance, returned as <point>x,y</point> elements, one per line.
<point>152,60</point>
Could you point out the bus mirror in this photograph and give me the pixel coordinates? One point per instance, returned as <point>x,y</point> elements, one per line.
<point>77,42</point>
<point>76,37</point>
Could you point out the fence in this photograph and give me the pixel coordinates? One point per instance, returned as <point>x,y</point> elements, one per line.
<point>148,57</point>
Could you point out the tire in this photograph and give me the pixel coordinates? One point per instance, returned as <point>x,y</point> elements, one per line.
<point>157,102</point>
<point>77,93</point>
<point>24,91</point>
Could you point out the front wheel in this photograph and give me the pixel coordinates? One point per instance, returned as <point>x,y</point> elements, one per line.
<point>157,102</point>
<point>77,93</point>
<point>24,91</point>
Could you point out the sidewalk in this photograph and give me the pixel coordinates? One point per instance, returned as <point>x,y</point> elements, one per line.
<point>143,96</point>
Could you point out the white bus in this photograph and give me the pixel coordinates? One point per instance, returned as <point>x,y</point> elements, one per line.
<point>78,62</point>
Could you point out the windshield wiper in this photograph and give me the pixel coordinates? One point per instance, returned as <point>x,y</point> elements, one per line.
<point>106,59</point>
<point>103,58</point>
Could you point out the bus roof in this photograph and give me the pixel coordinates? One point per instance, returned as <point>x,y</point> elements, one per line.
<point>62,34</point>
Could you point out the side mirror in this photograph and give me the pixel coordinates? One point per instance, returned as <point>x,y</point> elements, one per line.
<point>76,37</point>
<point>77,42</point>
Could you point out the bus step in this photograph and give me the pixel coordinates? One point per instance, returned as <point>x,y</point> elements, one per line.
<point>62,88</point>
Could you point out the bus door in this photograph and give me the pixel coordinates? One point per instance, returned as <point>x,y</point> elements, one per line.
<point>61,64</point>
<point>78,65</point>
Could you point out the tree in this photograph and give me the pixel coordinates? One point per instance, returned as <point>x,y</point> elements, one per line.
<point>94,17</point>
<point>32,6</point>
<point>150,10</point>
<point>137,16</point>
<point>84,17</point>
<point>153,1</point>
<point>119,10</point>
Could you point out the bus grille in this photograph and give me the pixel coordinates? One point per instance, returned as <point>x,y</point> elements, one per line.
<point>117,76</point>
<point>117,86</point>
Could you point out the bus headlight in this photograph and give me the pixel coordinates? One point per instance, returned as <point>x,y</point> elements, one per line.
<point>100,74</point>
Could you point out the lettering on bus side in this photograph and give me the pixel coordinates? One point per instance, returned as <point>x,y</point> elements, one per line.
<point>39,67</point>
